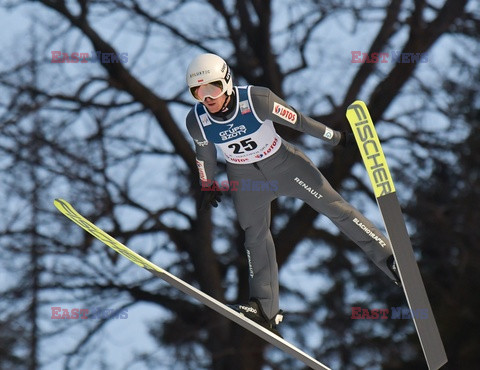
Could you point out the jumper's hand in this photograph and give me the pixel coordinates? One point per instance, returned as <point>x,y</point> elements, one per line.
<point>347,140</point>
<point>210,196</point>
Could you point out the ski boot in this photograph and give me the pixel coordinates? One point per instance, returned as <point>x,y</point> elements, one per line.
<point>253,311</point>
<point>392,266</point>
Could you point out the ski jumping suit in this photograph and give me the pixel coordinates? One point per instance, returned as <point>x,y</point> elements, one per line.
<point>256,154</point>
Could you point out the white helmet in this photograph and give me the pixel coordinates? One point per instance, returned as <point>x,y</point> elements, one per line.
<point>209,68</point>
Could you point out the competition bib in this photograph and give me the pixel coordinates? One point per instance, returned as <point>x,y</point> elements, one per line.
<point>244,138</point>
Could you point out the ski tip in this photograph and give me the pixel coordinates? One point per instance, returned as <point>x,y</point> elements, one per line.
<point>59,200</point>
<point>60,203</point>
<point>357,102</point>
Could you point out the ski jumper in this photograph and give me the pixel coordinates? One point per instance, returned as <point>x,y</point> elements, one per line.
<point>264,166</point>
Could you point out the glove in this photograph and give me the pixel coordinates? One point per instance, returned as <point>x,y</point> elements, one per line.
<point>347,139</point>
<point>210,196</point>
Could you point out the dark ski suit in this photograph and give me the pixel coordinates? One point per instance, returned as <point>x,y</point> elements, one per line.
<point>261,166</point>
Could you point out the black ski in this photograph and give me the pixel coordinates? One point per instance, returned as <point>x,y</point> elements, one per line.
<point>384,189</point>
<point>66,208</point>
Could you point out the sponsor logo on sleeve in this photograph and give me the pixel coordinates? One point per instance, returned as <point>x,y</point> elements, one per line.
<point>201,143</point>
<point>285,113</point>
<point>328,133</point>
<point>201,170</point>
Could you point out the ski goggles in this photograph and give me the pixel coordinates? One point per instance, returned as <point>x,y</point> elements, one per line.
<point>212,90</point>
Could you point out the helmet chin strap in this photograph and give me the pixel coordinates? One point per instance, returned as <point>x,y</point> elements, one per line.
<point>225,106</point>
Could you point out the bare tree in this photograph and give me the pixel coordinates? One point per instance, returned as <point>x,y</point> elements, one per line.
<point>110,137</point>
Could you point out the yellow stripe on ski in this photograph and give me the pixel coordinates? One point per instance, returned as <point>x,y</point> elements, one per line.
<point>70,212</point>
<point>370,148</point>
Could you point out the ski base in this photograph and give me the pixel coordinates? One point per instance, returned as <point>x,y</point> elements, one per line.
<point>66,208</point>
<point>412,282</point>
